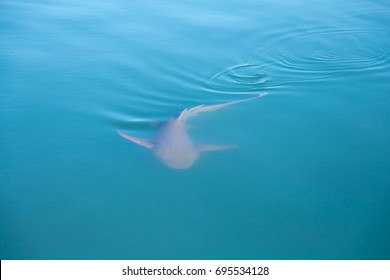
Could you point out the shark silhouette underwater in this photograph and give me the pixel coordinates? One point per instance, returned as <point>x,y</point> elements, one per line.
<point>173,145</point>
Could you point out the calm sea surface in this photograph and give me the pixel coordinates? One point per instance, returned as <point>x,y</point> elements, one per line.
<point>309,178</point>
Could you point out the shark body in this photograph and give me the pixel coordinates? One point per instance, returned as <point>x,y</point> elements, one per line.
<point>173,145</point>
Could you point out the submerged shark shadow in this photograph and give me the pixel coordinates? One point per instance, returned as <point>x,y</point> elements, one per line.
<point>173,145</point>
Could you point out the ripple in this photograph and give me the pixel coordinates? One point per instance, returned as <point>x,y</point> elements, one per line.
<point>246,78</point>
<point>326,54</point>
<point>307,55</point>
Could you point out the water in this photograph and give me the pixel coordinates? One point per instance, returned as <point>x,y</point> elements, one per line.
<point>310,178</point>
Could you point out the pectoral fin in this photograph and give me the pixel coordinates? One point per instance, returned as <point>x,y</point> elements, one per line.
<point>143,142</point>
<point>212,147</point>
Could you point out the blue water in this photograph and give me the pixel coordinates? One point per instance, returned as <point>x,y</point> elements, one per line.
<point>309,179</point>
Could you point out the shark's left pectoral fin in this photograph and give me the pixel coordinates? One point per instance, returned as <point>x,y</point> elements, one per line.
<point>143,142</point>
<point>212,147</point>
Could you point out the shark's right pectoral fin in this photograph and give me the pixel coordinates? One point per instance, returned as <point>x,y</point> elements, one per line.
<point>212,147</point>
<point>140,141</point>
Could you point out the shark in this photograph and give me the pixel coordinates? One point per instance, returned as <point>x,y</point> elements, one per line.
<point>173,145</point>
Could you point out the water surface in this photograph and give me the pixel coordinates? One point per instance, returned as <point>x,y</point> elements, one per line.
<point>310,178</point>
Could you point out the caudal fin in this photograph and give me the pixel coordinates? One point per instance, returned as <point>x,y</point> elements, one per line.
<point>202,108</point>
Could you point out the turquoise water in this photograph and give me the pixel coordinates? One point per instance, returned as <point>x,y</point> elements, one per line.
<point>309,178</point>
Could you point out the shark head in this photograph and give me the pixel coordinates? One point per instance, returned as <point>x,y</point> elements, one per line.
<point>177,159</point>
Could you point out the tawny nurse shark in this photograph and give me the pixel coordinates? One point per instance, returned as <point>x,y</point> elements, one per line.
<point>173,145</point>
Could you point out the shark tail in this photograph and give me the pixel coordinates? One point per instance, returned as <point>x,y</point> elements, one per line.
<point>202,108</point>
